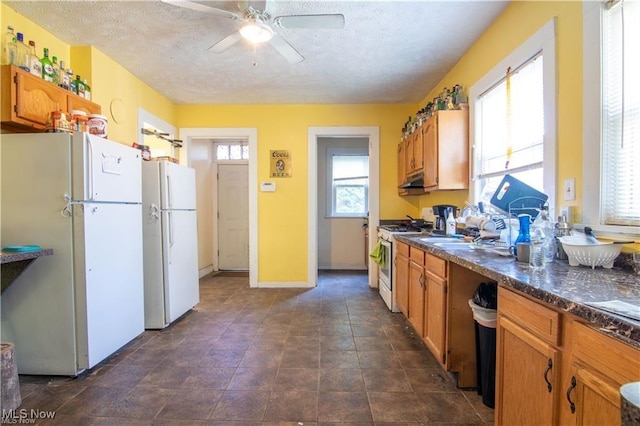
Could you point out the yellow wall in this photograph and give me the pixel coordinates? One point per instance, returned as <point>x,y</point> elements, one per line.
<point>112,86</point>
<point>31,31</point>
<point>283,216</point>
<point>519,21</point>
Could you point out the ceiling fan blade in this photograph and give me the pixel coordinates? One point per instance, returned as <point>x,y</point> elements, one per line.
<point>202,8</point>
<point>310,21</point>
<point>286,50</point>
<point>226,42</point>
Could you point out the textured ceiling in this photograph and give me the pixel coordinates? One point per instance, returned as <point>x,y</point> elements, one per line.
<point>388,51</point>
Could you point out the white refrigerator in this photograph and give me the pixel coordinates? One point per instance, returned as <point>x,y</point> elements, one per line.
<point>81,196</point>
<point>171,286</point>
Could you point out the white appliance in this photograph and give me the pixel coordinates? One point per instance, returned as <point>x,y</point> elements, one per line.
<point>81,196</point>
<point>171,286</point>
<point>386,285</point>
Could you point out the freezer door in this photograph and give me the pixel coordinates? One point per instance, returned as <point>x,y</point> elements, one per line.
<point>109,279</point>
<point>105,171</point>
<point>180,262</point>
<point>178,186</point>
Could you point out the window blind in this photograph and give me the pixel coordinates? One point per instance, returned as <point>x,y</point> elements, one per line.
<point>512,128</point>
<point>620,198</point>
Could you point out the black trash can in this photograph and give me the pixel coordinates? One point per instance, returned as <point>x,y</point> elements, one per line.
<point>485,318</point>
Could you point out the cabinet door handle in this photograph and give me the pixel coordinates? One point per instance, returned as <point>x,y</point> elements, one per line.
<point>572,405</point>
<point>421,281</point>
<point>546,372</point>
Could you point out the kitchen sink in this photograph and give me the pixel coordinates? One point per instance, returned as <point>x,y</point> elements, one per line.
<point>442,240</point>
<point>452,245</point>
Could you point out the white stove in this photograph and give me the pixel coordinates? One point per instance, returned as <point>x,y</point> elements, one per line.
<point>385,282</point>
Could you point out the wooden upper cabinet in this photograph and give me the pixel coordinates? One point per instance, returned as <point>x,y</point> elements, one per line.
<point>27,101</point>
<point>80,104</point>
<point>445,138</point>
<point>402,170</point>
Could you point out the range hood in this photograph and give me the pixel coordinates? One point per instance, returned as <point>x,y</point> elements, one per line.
<point>415,181</point>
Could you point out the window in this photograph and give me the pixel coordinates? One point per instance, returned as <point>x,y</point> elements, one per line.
<point>513,117</point>
<point>611,116</point>
<point>232,151</point>
<point>348,184</point>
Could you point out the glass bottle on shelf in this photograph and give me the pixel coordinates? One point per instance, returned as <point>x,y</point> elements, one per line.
<point>79,87</point>
<point>35,66</point>
<point>87,90</point>
<point>64,77</point>
<point>9,47</point>
<point>56,70</point>
<point>47,66</point>
<point>22,53</point>
<point>72,82</point>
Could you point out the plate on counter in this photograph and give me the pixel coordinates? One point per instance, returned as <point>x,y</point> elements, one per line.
<point>21,249</point>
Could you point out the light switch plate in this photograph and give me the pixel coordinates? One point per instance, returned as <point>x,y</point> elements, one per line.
<point>569,189</point>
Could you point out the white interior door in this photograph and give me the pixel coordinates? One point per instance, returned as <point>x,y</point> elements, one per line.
<point>233,216</point>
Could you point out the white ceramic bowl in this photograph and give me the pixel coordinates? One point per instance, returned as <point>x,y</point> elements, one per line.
<point>580,252</point>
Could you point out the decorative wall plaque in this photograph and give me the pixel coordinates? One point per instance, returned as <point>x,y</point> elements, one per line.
<point>280,164</point>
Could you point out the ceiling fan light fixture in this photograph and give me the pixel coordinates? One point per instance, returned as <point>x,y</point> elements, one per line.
<point>256,32</point>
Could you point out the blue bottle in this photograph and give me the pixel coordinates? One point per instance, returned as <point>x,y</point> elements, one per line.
<point>523,234</point>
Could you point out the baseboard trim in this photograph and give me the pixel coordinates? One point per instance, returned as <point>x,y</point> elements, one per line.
<point>205,271</point>
<point>285,285</point>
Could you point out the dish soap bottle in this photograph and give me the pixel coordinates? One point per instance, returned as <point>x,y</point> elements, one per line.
<point>523,234</point>
<point>451,224</point>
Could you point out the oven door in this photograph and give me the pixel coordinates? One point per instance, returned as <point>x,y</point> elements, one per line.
<point>385,268</point>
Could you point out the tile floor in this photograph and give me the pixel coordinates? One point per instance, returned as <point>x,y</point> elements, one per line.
<point>329,355</point>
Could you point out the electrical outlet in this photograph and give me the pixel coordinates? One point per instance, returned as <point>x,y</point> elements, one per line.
<point>569,189</point>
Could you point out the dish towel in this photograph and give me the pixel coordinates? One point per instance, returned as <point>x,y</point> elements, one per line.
<point>378,253</point>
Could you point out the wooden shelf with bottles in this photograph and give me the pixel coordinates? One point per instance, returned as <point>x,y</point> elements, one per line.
<point>27,101</point>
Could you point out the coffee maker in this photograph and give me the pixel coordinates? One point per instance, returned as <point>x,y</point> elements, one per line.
<point>441,211</point>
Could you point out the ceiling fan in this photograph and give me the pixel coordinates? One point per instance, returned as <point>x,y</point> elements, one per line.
<point>258,26</point>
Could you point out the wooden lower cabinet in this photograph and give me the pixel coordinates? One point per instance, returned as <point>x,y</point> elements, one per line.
<point>435,307</point>
<point>416,290</point>
<point>539,348</point>
<point>527,379</point>
<point>401,277</point>
<point>598,366</point>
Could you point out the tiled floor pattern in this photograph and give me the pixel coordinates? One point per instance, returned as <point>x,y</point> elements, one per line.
<point>329,355</point>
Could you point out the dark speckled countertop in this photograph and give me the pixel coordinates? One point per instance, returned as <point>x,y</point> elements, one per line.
<point>568,288</point>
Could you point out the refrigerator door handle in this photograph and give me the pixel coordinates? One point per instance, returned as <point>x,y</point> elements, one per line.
<point>171,241</point>
<point>90,171</point>
<point>169,192</point>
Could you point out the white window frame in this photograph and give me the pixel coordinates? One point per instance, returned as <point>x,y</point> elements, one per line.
<point>229,143</point>
<point>592,27</point>
<point>544,40</point>
<point>342,151</point>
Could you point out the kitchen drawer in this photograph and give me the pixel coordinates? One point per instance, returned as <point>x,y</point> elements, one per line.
<point>610,357</point>
<point>401,249</point>
<point>416,255</point>
<point>540,320</point>
<point>436,265</point>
